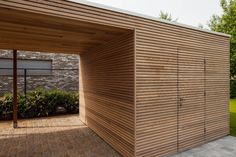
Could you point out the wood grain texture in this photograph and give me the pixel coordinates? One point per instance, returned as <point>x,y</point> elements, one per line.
<point>47,33</point>
<point>168,64</point>
<point>217,93</point>
<point>107,92</point>
<point>191,102</point>
<point>156,107</point>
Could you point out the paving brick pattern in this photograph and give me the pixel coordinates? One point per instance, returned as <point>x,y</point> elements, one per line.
<point>61,136</point>
<point>67,136</point>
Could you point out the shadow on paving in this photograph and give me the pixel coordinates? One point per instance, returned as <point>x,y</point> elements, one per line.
<point>60,140</point>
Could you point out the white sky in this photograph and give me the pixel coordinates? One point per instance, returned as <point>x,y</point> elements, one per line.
<point>190,12</point>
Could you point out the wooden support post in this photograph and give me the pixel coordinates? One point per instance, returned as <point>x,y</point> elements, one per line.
<point>15,88</point>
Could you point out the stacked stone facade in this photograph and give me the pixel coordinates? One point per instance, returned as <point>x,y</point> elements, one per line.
<point>58,79</point>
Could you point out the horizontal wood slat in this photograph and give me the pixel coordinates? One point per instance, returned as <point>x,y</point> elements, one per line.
<point>52,34</point>
<point>156,108</point>
<point>217,94</point>
<point>107,92</point>
<point>191,102</point>
<point>130,96</point>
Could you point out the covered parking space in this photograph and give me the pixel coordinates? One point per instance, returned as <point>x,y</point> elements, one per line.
<point>106,66</point>
<point>57,136</point>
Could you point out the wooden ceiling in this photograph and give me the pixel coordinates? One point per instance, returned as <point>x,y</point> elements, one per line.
<point>33,32</point>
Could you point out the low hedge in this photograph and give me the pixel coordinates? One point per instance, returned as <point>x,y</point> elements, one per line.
<point>232,89</point>
<point>39,103</point>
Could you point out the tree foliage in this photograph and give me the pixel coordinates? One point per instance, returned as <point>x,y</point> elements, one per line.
<point>201,26</point>
<point>166,16</point>
<point>226,23</point>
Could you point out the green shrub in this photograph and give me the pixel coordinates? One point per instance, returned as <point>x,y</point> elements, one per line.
<point>6,105</point>
<point>232,89</point>
<point>1,108</point>
<point>40,102</point>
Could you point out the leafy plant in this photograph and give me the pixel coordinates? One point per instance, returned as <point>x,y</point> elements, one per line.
<point>226,23</point>
<point>232,89</point>
<point>40,102</point>
<point>166,16</point>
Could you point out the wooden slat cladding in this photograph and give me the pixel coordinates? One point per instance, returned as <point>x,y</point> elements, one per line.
<point>107,92</point>
<point>191,99</point>
<point>217,94</point>
<point>156,109</point>
<point>45,33</point>
<point>146,124</point>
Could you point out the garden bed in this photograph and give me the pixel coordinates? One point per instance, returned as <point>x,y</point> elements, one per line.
<point>40,103</point>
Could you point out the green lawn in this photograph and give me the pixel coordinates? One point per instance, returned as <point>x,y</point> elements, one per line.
<point>233,117</point>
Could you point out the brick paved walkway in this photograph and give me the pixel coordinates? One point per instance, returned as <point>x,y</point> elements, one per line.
<point>61,136</point>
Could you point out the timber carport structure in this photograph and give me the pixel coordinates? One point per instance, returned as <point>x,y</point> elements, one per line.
<point>147,87</point>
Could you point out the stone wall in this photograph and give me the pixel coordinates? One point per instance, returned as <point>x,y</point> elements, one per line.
<point>58,79</point>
